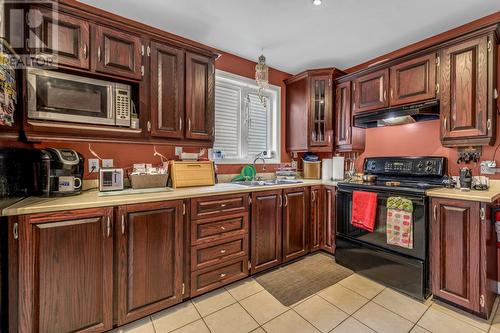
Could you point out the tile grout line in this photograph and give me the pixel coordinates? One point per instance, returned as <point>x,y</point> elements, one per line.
<point>202,318</point>
<point>288,308</point>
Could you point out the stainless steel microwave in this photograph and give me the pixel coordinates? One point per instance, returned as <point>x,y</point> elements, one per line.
<point>70,98</point>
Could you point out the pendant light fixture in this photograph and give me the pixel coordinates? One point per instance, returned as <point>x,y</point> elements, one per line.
<point>262,77</point>
<point>317,2</point>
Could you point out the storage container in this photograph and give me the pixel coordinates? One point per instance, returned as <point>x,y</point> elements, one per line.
<point>312,170</point>
<point>186,174</point>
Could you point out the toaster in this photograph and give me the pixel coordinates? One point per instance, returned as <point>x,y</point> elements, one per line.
<point>110,179</point>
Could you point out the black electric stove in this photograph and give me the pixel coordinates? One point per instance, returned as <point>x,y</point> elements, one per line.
<point>368,252</point>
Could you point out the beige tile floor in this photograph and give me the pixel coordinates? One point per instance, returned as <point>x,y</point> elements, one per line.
<point>354,305</point>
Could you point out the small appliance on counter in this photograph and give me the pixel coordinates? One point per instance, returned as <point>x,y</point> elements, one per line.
<point>21,173</point>
<point>465,178</point>
<point>110,179</point>
<point>62,172</point>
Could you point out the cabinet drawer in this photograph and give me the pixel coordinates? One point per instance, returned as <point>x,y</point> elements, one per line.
<point>206,207</point>
<point>217,252</point>
<point>215,277</point>
<point>213,229</point>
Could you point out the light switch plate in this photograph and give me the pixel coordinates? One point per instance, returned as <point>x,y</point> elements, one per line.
<point>93,165</point>
<point>107,163</point>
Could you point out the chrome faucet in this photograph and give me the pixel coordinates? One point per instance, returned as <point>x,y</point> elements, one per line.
<point>260,156</point>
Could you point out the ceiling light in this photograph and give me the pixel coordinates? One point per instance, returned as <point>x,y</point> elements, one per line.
<point>316,2</point>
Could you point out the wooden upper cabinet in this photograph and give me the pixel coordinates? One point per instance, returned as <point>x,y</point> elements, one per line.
<point>66,276</point>
<point>413,80</point>
<point>467,72</point>
<point>297,118</point>
<point>150,258</point>
<point>370,91</point>
<point>295,223</point>
<point>117,53</point>
<point>200,97</point>
<point>63,36</point>
<point>167,91</point>
<point>266,225</point>
<point>455,252</point>
<point>347,137</point>
<point>320,112</point>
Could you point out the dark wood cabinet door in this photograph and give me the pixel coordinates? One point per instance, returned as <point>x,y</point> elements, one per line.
<point>413,80</point>
<point>200,97</point>
<point>295,223</point>
<point>265,229</point>
<point>370,91</point>
<point>316,216</point>
<point>297,124</point>
<point>117,53</point>
<point>465,74</point>
<point>66,272</point>
<point>150,258</point>
<point>455,252</point>
<point>63,37</point>
<point>320,112</point>
<point>167,91</point>
<point>343,114</point>
<point>329,219</point>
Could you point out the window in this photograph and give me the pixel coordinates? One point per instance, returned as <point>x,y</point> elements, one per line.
<point>245,126</point>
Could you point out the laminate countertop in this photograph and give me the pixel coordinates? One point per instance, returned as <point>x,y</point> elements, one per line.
<point>489,196</point>
<point>92,199</point>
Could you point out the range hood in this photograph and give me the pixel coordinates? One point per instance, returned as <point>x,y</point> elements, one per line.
<point>399,115</point>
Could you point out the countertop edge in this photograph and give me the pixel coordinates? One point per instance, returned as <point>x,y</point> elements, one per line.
<point>90,199</point>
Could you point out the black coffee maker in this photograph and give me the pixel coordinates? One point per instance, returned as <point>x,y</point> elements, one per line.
<point>63,171</point>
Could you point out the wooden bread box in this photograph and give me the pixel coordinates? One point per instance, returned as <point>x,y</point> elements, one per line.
<point>196,173</point>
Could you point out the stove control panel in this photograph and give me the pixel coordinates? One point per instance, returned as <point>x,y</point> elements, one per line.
<point>411,166</point>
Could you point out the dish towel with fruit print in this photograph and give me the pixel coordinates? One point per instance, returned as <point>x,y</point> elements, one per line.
<point>399,222</point>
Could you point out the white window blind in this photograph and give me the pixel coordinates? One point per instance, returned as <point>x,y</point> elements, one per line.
<point>244,125</point>
<point>227,119</point>
<point>258,122</point>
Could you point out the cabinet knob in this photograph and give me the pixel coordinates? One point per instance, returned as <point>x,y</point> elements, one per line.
<point>223,205</point>
<point>222,228</point>
<point>222,275</point>
<point>222,251</point>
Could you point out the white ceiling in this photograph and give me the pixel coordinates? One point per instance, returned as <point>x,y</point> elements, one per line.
<point>297,35</point>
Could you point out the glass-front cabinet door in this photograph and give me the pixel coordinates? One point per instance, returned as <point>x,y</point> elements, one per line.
<point>321,122</point>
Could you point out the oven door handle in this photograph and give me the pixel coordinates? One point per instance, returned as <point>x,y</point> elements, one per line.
<point>384,195</point>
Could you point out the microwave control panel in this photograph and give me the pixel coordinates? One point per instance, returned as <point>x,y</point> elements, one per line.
<point>122,106</point>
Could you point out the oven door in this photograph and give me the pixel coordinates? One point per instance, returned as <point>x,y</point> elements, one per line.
<point>378,238</point>
<point>70,98</point>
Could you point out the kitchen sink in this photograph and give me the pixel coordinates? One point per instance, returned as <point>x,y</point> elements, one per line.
<point>252,183</point>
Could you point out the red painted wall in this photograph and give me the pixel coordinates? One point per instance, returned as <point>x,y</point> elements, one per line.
<point>124,155</point>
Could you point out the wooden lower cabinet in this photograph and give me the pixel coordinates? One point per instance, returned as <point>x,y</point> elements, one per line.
<point>295,223</point>
<point>329,218</point>
<point>463,254</point>
<point>316,216</point>
<point>149,253</point>
<point>266,230</point>
<point>65,272</point>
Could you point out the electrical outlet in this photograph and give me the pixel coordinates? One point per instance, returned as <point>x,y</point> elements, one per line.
<point>107,163</point>
<point>93,165</point>
<point>178,151</point>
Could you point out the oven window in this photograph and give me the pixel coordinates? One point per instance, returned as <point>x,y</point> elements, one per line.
<point>57,95</point>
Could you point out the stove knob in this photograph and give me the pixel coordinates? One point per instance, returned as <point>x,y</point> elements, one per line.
<point>428,169</point>
<point>429,163</point>
<point>420,165</point>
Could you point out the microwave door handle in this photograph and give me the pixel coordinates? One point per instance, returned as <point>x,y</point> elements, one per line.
<point>111,103</point>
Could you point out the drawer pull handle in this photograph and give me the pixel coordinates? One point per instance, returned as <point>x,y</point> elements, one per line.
<point>223,275</point>
<point>222,251</point>
<point>223,228</point>
<point>223,205</point>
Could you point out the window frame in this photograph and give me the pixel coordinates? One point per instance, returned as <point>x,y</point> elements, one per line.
<point>274,129</point>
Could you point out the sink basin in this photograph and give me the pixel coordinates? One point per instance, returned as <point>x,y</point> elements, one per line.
<point>267,182</point>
